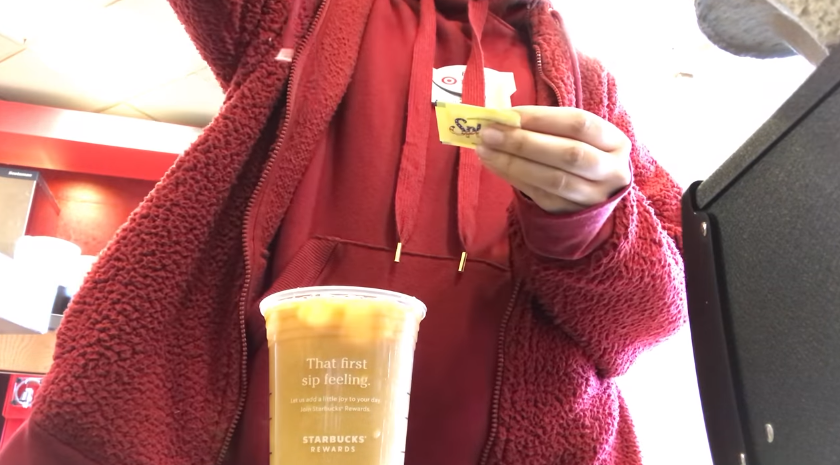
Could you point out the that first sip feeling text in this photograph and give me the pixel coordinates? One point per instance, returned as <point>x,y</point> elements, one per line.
<point>330,377</point>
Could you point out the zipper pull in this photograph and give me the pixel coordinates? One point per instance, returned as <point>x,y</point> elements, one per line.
<point>285,55</point>
<point>463,263</point>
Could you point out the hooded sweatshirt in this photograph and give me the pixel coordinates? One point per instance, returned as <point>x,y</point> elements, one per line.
<point>345,219</point>
<point>317,178</point>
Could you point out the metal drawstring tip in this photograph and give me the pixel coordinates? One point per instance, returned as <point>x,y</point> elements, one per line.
<point>463,263</point>
<point>399,252</point>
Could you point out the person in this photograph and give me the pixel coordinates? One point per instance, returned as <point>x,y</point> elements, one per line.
<point>323,162</point>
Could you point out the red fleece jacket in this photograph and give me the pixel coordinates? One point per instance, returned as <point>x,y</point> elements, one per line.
<point>151,362</point>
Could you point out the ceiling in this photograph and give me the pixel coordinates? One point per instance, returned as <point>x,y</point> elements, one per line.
<point>693,103</point>
<point>126,57</point>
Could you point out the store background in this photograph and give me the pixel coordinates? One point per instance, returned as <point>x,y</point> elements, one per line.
<point>692,104</point>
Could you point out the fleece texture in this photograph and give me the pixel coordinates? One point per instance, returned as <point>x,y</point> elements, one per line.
<point>150,360</point>
<point>619,300</point>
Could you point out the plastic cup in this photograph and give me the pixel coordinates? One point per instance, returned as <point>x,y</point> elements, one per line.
<point>340,363</point>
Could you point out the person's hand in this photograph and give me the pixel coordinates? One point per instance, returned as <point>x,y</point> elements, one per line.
<point>564,159</point>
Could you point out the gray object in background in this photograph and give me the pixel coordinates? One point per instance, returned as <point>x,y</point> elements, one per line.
<point>771,28</point>
<point>762,257</point>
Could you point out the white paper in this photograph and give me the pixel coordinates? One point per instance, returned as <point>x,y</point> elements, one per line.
<point>448,83</point>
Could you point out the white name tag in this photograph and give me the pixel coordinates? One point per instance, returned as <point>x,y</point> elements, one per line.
<point>447,84</point>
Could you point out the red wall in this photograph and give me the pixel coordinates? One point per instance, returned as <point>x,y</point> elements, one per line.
<point>93,207</point>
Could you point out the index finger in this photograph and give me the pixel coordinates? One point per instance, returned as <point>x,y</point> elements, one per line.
<point>573,123</point>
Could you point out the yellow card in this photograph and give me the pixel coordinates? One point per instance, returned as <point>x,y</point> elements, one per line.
<point>460,124</point>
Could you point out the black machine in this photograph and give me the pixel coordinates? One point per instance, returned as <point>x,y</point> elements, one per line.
<point>762,258</point>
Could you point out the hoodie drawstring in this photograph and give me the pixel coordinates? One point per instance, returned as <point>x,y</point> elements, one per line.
<point>469,168</point>
<point>413,158</point>
<point>412,169</point>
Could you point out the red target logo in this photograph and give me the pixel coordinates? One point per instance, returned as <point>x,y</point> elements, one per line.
<point>449,80</point>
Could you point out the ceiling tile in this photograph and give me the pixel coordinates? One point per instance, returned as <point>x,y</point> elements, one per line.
<point>26,19</point>
<point>120,51</point>
<point>192,101</point>
<point>129,111</point>
<point>25,78</point>
<point>207,75</point>
<point>8,48</point>
<point>163,42</point>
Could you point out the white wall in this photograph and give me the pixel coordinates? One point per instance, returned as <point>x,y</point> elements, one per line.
<point>691,126</point>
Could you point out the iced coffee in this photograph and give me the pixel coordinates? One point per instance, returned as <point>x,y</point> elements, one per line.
<point>340,362</point>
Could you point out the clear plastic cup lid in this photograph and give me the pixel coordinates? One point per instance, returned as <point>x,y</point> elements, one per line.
<point>346,292</point>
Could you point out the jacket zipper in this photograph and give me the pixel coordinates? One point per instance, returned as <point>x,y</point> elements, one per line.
<point>500,355</point>
<point>543,76</point>
<point>243,297</point>
<point>500,364</point>
<point>497,389</point>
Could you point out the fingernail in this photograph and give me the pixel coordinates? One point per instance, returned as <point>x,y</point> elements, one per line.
<point>492,136</point>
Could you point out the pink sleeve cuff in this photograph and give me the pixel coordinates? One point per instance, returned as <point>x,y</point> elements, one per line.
<point>568,236</point>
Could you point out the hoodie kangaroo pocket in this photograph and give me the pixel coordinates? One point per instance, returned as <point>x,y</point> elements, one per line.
<point>306,266</point>
<point>303,270</point>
